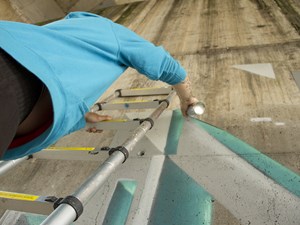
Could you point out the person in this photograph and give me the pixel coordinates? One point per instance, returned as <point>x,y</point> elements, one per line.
<point>52,74</point>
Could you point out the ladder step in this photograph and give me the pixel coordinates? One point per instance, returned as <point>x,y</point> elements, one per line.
<point>18,196</point>
<point>72,153</point>
<point>129,105</point>
<point>144,91</point>
<point>114,125</point>
<point>70,148</point>
<point>25,203</point>
<point>136,92</point>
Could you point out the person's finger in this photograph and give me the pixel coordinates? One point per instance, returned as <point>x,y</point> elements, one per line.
<point>104,117</point>
<point>91,117</point>
<point>184,111</point>
<point>94,117</point>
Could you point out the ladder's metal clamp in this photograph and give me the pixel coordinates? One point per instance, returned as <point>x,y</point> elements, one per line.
<point>72,201</point>
<point>97,150</point>
<point>51,199</point>
<point>163,100</point>
<point>119,92</point>
<point>120,149</point>
<point>146,119</point>
<point>99,104</point>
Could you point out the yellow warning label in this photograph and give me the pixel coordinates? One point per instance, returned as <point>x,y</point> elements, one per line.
<point>18,196</point>
<point>71,148</point>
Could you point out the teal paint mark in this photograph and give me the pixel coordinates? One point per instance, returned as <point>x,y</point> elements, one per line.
<point>35,219</point>
<point>282,175</point>
<point>179,199</point>
<point>31,219</point>
<point>120,203</point>
<point>174,133</point>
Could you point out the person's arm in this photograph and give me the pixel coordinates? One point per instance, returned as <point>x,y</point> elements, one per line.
<point>154,62</point>
<point>184,92</point>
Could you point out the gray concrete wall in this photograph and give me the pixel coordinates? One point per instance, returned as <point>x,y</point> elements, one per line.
<point>208,38</point>
<point>40,11</point>
<point>7,12</point>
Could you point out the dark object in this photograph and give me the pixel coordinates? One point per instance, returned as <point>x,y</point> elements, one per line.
<point>120,149</point>
<point>72,201</point>
<point>163,100</point>
<point>19,91</point>
<point>146,119</point>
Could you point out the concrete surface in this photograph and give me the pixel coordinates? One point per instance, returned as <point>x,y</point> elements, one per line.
<point>43,11</point>
<point>7,12</point>
<point>208,37</point>
<point>208,178</point>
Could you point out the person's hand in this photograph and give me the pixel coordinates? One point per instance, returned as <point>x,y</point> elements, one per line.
<point>185,95</point>
<point>92,117</point>
<point>186,103</point>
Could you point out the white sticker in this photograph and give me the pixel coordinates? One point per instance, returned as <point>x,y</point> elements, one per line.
<point>261,119</point>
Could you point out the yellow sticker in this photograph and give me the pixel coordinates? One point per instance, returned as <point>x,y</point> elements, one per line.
<point>18,196</point>
<point>71,148</point>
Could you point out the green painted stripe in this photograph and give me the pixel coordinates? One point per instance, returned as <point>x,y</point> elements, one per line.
<point>282,175</point>
<point>174,133</point>
<point>179,199</point>
<point>32,219</point>
<point>120,203</point>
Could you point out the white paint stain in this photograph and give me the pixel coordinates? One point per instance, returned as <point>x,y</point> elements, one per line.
<point>261,119</point>
<point>262,69</point>
<point>279,123</point>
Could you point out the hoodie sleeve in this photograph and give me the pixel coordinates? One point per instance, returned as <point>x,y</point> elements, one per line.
<point>154,62</point>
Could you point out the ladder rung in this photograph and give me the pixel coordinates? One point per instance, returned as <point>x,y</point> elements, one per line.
<point>105,105</point>
<point>144,91</point>
<point>130,105</point>
<point>114,125</point>
<point>25,203</point>
<point>72,153</point>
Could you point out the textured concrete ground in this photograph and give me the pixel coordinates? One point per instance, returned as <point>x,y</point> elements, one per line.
<point>208,37</point>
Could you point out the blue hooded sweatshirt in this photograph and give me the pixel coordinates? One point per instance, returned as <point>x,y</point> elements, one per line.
<point>78,58</point>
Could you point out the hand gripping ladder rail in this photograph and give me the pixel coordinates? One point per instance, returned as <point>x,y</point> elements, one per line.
<point>68,209</point>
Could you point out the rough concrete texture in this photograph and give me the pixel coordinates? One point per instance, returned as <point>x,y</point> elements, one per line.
<point>41,12</point>
<point>7,12</point>
<point>208,37</point>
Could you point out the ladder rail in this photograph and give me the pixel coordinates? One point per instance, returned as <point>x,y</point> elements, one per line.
<point>5,166</point>
<point>65,214</point>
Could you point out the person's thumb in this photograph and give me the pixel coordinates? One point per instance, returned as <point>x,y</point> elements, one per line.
<point>104,118</point>
<point>94,117</point>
